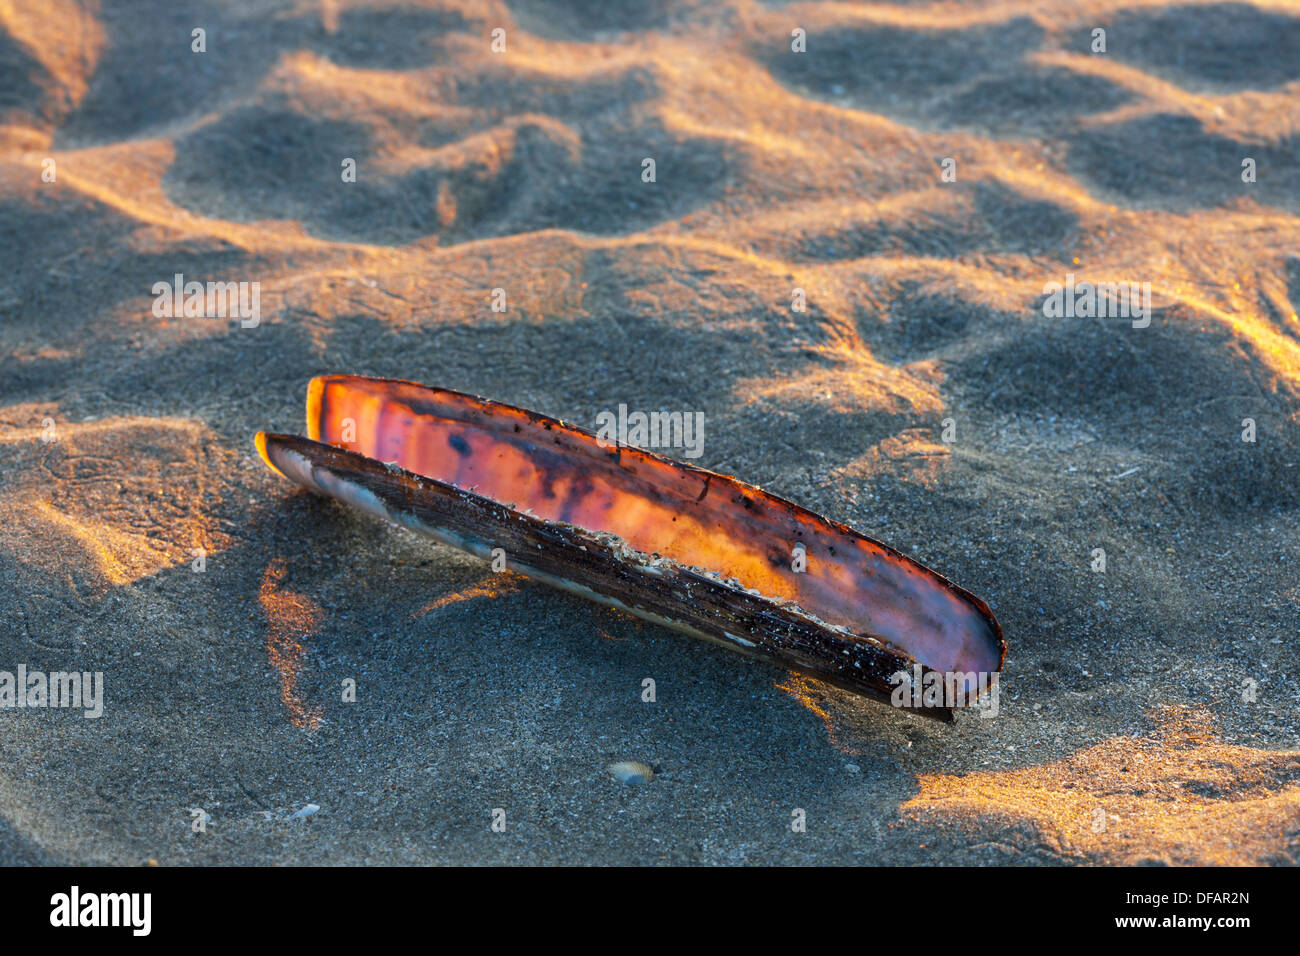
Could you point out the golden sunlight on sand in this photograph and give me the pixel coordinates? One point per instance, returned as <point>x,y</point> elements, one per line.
<point>1181,796</point>
<point>290,619</point>
<point>481,590</point>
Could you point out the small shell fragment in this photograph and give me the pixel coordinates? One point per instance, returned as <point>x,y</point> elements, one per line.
<point>632,772</point>
<point>310,810</point>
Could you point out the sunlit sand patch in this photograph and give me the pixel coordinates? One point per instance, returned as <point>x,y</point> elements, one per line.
<point>113,500</point>
<point>829,704</point>
<point>506,584</point>
<point>858,384</point>
<point>24,423</point>
<point>96,174</point>
<point>290,617</point>
<point>329,15</point>
<point>492,590</point>
<point>65,37</point>
<point>1227,284</point>
<point>44,353</point>
<point>118,557</point>
<point>1182,797</point>
<point>912,455</point>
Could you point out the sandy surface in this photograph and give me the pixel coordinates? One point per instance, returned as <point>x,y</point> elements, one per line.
<point>1128,731</point>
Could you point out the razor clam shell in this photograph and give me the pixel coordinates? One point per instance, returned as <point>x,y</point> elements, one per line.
<point>658,505</point>
<point>599,567</point>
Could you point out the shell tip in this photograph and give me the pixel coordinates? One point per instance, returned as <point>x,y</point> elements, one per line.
<point>260,440</point>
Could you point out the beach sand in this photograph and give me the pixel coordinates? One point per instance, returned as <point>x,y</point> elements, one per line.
<point>1149,713</point>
